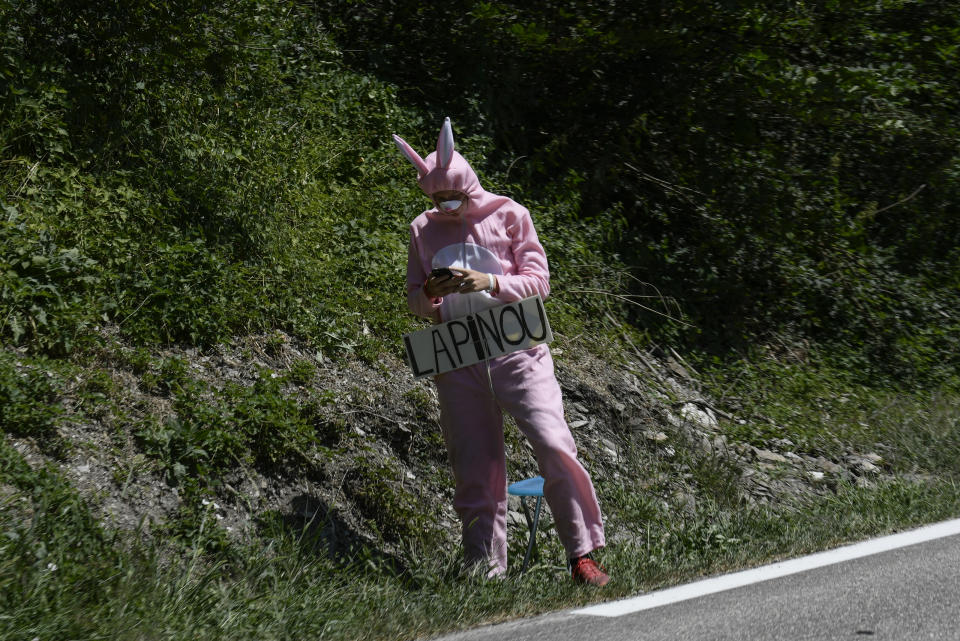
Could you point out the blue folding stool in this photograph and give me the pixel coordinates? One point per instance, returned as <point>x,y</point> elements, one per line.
<point>523,489</point>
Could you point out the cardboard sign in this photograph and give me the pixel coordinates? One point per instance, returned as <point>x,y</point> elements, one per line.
<point>475,338</point>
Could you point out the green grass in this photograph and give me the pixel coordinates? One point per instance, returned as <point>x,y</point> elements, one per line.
<point>27,396</point>
<point>64,575</point>
<point>825,409</point>
<point>65,578</point>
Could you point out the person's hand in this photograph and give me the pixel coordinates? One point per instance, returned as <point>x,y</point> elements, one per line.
<point>472,281</point>
<point>437,286</point>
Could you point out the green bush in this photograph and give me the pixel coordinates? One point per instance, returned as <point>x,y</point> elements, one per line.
<point>783,172</point>
<point>28,398</point>
<point>214,430</point>
<point>197,172</point>
<point>206,180</point>
<point>376,489</point>
<point>45,290</point>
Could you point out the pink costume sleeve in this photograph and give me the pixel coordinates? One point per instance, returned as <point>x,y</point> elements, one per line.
<point>417,300</point>
<point>532,274</point>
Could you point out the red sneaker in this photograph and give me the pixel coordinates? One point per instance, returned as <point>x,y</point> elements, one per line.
<point>587,571</point>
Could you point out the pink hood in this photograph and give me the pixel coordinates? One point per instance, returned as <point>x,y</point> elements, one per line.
<point>445,169</point>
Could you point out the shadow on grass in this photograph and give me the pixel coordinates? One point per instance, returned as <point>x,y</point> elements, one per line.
<point>320,530</point>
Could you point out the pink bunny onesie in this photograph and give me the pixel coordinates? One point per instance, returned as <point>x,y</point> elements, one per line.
<point>495,235</point>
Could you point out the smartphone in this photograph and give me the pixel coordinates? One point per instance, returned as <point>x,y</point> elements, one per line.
<point>442,271</point>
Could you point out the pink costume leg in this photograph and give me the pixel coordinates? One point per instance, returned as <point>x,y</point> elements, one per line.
<point>526,387</point>
<point>473,432</point>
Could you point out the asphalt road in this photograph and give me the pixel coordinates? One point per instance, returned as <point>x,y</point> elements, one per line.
<point>907,594</point>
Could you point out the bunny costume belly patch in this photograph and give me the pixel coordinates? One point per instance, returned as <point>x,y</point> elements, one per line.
<point>470,256</point>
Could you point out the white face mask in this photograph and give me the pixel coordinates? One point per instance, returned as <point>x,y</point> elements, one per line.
<point>450,205</point>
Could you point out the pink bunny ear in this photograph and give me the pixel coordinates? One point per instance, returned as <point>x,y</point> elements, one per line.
<point>445,145</point>
<point>412,156</point>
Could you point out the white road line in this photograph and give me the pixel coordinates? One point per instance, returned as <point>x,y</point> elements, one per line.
<point>773,571</point>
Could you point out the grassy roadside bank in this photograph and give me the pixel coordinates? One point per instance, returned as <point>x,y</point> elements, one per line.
<point>281,591</point>
<point>65,575</point>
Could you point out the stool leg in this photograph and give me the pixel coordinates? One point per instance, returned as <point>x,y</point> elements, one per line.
<point>533,532</point>
<point>526,512</point>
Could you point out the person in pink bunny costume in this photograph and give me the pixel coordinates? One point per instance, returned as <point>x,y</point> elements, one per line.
<point>489,244</point>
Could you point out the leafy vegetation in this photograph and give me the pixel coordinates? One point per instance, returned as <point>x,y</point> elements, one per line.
<point>777,174</point>
<point>212,431</point>
<point>780,172</point>
<point>27,398</point>
<point>821,408</point>
<point>183,178</point>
